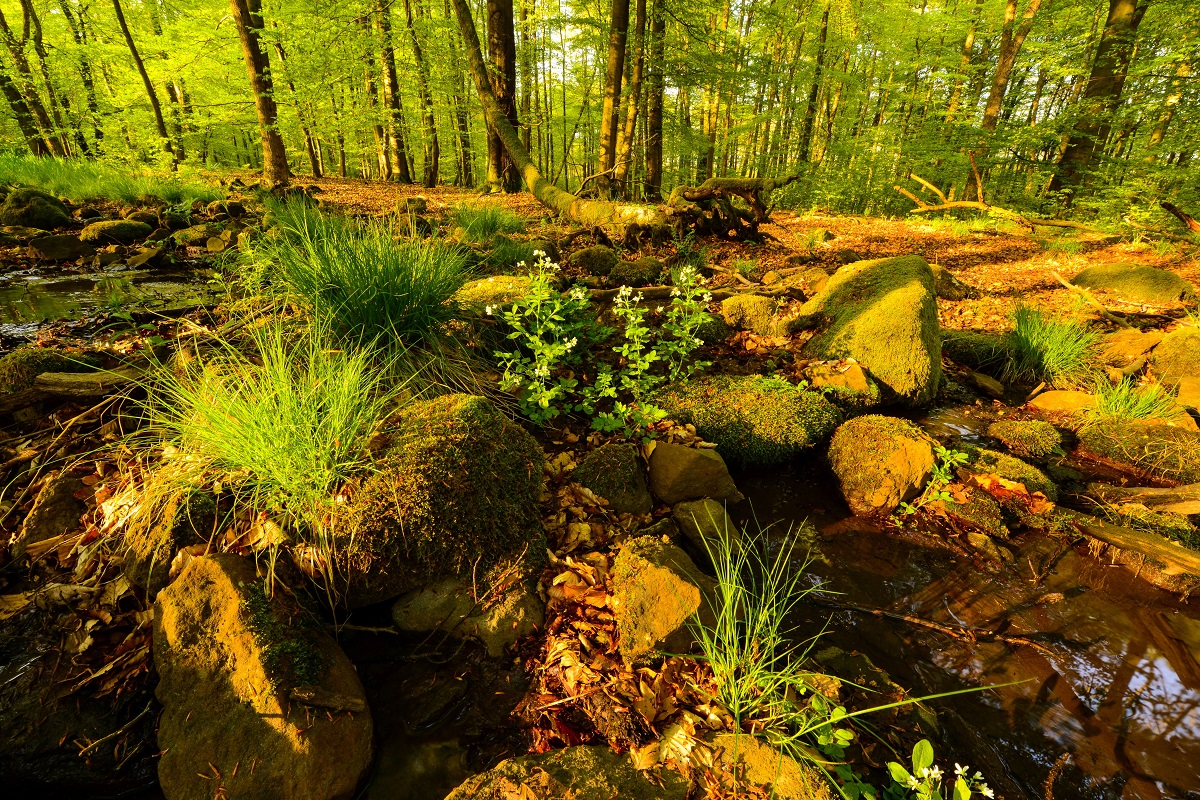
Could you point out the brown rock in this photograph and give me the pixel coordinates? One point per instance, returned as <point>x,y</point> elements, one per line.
<point>988,384</point>
<point>55,512</point>
<point>847,375</point>
<point>762,765</point>
<point>1129,344</point>
<point>679,473</point>
<point>1061,401</point>
<point>59,247</point>
<point>1189,392</point>
<point>880,462</point>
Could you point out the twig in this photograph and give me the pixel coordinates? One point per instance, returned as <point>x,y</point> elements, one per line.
<point>115,734</point>
<point>1091,300</point>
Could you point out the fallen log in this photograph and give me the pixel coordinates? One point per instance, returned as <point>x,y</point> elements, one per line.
<point>1167,557</point>
<point>1187,219</point>
<point>980,205</point>
<point>1177,500</point>
<point>86,384</point>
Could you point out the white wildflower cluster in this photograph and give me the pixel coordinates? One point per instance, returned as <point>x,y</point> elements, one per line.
<point>977,784</point>
<point>579,293</point>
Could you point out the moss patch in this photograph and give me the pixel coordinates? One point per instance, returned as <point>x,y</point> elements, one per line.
<point>1030,439</point>
<point>598,260</point>
<point>614,471</point>
<point>496,291</point>
<point>642,272</point>
<point>289,656</point>
<point>981,351</point>
<point>750,312</point>
<point>1175,527</point>
<point>34,209</point>
<point>21,366</point>
<point>1137,283</point>
<point>880,462</point>
<point>752,420</point>
<point>1010,468</point>
<point>1160,450</point>
<point>115,231</point>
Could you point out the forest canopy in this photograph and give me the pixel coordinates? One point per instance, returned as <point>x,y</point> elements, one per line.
<point>1054,106</point>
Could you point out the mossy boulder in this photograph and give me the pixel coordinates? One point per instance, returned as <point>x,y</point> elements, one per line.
<point>458,487</point>
<point>31,208</point>
<point>1137,283</point>
<point>782,776</point>
<point>115,231</point>
<point>1163,451</point>
<point>450,605</point>
<point>597,260</point>
<point>642,272</point>
<point>1027,438</point>
<point>253,690</point>
<point>984,461</point>
<point>753,420</point>
<point>187,517</point>
<point>883,314</point>
<point>982,351</point>
<point>494,292</point>
<point>1178,354</point>
<point>198,235</point>
<point>21,366</point>
<point>55,512</point>
<point>880,462</point>
<point>949,287</point>
<point>713,330</point>
<point>750,312</point>
<point>679,473</point>
<point>614,471</point>
<point>704,525</point>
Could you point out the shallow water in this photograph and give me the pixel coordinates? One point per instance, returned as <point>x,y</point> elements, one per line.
<point>1119,685</point>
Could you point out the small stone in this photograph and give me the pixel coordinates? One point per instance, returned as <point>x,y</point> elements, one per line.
<point>986,547</point>
<point>1063,401</point>
<point>146,217</point>
<point>55,512</point>
<point>1128,344</point>
<point>448,606</point>
<point>848,256</point>
<point>147,256</point>
<point>705,523</point>
<point>216,244</point>
<point>771,277</point>
<point>988,384</point>
<point>679,473</point>
<point>847,375</point>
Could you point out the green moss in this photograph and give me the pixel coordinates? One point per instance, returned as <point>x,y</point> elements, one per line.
<point>883,314</point>
<point>614,471</point>
<point>289,655</point>
<point>752,420</point>
<point>750,312</point>
<point>1030,439</point>
<point>642,272</point>
<point>1160,450</point>
<point>1178,354</point>
<point>34,209</point>
<point>199,234</point>
<point>984,352</point>
<point>21,366</point>
<point>1137,283</point>
<point>1010,468</point>
<point>981,513</point>
<point>115,231</point>
<point>713,330</point>
<point>495,291</point>
<point>1175,527</point>
<point>458,487</point>
<point>597,260</point>
<point>505,254</point>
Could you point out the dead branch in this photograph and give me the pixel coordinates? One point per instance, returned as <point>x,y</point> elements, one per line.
<point>929,186</point>
<point>1092,301</point>
<point>1187,219</point>
<point>978,180</point>
<point>923,207</point>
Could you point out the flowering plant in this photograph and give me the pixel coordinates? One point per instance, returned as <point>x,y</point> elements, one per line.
<point>925,780</point>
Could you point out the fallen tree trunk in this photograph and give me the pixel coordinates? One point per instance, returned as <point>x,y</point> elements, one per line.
<point>946,204</point>
<point>1177,500</point>
<point>706,209</point>
<point>1187,219</point>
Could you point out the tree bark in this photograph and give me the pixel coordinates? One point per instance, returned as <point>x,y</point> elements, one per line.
<point>247,15</point>
<point>159,122</point>
<point>396,142</point>
<point>503,173</point>
<point>654,104</point>
<point>310,144</point>
<point>85,68</point>
<point>33,139</point>
<point>429,142</point>
<point>810,113</point>
<point>624,149</point>
<point>1011,39</point>
<point>614,73</point>
<point>968,47</point>
<point>26,88</point>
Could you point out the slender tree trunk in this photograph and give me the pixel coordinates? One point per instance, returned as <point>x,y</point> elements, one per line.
<point>624,149</point>
<point>85,68</point>
<point>810,114</point>
<point>396,146</point>
<point>614,73</point>
<point>654,104</point>
<point>429,141</point>
<point>503,174</point>
<point>1159,132</point>
<point>310,145</point>
<point>33,139</point>
<point>247,14</point>
<point>466,159</point>
<point>159,122</point>
<point>968,47</point>
<point>1011,39</point>
<point>25,85</point>
<point>34,23</point>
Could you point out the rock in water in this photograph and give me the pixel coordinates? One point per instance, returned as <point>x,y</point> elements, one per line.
<point>448,605</point>
<point>680,473</point>
<point>59,247</point>
<point>257,703</point>
<point>580,773</point>
<point>882,314</point>
<point>880,462</point>
<point>1137,283</point>
<point>116,231</point>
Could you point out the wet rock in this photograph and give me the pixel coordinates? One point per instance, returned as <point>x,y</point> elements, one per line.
<point>704,524</point>
<point>978,514</point>
<point>882,314</point>
<point>880,462</point>
<point>984,461</point>
<point>59,247</point>
<point>1137,283</point>
<point>750,312</point>
<point>55,512</point>
<point>580,772</point>
<point>20,368</point>
<point>783,777</point>
<point>457,487</point>
<point>252,691</point>
<point>656,591</point>
<point>1163,451</point>
<point>857,670</point>
<point>147,217</point>
<point>679,473</point>
<point>614,472</point>
<point>987,384</point>
<point>753,420</point>
<point>115,231</point>
<point>499,290</point>
<point>597,260</point>
<point>1029,439</point>
<point>31,208</point>
<point>448,605</point>
<point>1178,355</point>
<point>188,516</point>
<point>1062,401</point>
<point>948,287</point>
<point>1128,344</point>
<point>985,546</point>
<point>981,351</point>
<point>643,272</point>
<point>147,257</point>
<point>197,234</point>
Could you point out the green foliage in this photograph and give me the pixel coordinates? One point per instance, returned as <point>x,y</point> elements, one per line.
<point>1126,401</point>
<point>82,181</point>
<point>361,283</point>
<point>943,475</point>
<point>289,655</point>
<point>925,780</point>
<point>1040,348</point>
<point>482,223</point>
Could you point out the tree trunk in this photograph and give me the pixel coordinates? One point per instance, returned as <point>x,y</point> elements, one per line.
<point>310,145</point>
<point>465,157</point>
<point>614,73</point>
<point>395,141</point>
<point>1010,45</point>
<point>247,14</point>
<point>624,149</point>
<point>1103,94</point>
<point>26,88</point>
<point>85,68</point>
<point>810,113</point>
<point>159,122</point>
<point>37,145</point>
<point>503,174</point>
<point>429,141</point>
<point>654,104</point>
<point>968,46</point>
<point>1174,95</point>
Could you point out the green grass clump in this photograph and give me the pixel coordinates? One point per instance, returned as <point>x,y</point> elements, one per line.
<point>753,420</point>
<point>1031,438</point>
<point>364,285</point>
<point>1126,402</point>
<point>505,255</point>
<point>1162,451</point>
<point>1040,348</point>
<point>82,181</point>
<point>481,224</point>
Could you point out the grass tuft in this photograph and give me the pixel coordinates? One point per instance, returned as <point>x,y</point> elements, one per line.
<point>82,181</point>
<point>1041,348</point>
<point>481,224</point>
<point>1126,402</point>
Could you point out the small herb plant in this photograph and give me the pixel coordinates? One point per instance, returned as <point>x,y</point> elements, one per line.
<point>925,780</point>
<point>943,475</point>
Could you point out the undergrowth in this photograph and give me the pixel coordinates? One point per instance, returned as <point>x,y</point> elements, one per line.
<point>1126,401</point>
<point>481,224</point>
<point>81,180</point>
<point>1041,348</point>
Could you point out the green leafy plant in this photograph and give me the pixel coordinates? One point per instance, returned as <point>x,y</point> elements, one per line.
<point>686,315</point>
<point>482,223</point>
<point>947,461</point>
<point>1041,348</point>
<point>1126,401</point>
<point>925,780</point>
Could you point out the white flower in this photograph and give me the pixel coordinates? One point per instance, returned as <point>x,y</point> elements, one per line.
<point>675,292</point>
<point>935,773</point>
<point>659,309</point>
<point>521,265</point>
<point>960,770</point>
<point>708,297</point>
<point>488,310</point>
<point>984,790</point>
<point>539,254</point>
<point>913,783</point>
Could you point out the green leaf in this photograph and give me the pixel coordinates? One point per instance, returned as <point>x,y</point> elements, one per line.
<point>899,774</point>
<point>962,791</point>
<point>922,756</point>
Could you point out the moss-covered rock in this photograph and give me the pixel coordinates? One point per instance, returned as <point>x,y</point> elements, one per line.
<point>883,314</point>
<point>642,272</point>
<point>188,516</point>
<point>750,312</point>
<point>1029,439</point>
<point>984,461</point>
<point>981,351</point>
<point>713,330</point>
<point>21,366</point>
<point>1164,451</point>
<point>458,487</point>
<point>783,777</point>
<point>949,287</point>
<point>499,290</point>
<point>450,605</point>
<point>199,234</point>
<point>679,473</point>
<point>1137,283</point>
<point>880,462</point>
<point>597,260</point>
<point>34,209</point>
<point>1178,354</point>
<point>115,231</point>
<point>614,471</point>
<point>978,513</point>
<point>753,420</point>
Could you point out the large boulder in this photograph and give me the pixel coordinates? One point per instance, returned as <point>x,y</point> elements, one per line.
<point>880,462</point>
<point>614,471</point>
<point>750,312</point>
<point>643,272</point>
<point>450,605</point>
<point>115,231</point>
<point>883,314</point>
<point>257,699</point>
<point>578,773</point>
<point>457,486</point>
<point>657,591</point>
<point>597,260</point>
<point>59,247</point>
<point>1137,283</point>
<point>1164,451</point>
<point>679,473</point>
<point>753,420</point>
<point>31,208</point>
<point>1178,355</point>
